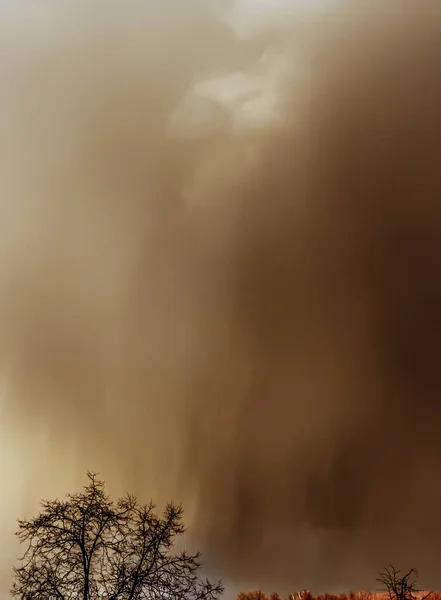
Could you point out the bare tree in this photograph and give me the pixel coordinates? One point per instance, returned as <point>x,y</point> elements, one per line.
<point>401,587</point>
<point>88,547</point>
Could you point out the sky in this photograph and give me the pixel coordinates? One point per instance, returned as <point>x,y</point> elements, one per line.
<point>219,244</point>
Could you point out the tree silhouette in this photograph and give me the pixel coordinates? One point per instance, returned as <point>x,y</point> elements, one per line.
<point>88,547</point>
<point>401,586</point>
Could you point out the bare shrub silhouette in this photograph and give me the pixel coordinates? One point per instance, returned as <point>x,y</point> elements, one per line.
<point>400,586</point>
<point>89,547</point>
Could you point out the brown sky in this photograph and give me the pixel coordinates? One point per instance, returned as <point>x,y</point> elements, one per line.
<point>236,308</point>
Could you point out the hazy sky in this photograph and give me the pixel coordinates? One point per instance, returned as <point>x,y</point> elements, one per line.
<point>219,253</point>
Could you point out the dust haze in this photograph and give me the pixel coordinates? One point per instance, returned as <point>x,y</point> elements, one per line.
<point>220,258</point>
